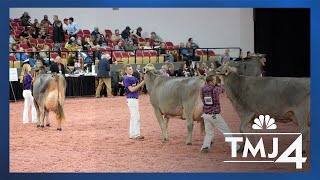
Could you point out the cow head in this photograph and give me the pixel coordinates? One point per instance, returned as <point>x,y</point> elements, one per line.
<point>260,57</point>
<point>225,69</point>
<point>149,68</point>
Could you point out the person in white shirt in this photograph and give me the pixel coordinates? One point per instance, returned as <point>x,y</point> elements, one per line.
<point>65,25</point>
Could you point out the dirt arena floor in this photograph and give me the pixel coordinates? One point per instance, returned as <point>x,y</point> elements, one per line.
<point>94,138</point>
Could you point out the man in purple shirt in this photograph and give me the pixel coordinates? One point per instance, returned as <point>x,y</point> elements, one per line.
<point>132,86</point>
<point>211,111</point>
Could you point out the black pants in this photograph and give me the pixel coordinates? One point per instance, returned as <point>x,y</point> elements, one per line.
<point>117,88</point>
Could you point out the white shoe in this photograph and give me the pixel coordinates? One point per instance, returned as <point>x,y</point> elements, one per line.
<point>25,122</point>
<point>34,122</point>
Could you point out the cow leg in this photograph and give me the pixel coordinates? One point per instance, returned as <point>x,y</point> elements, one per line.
<point>245,120</point>
<point>36,105</point>
<point>47,118</point>
<point>302,119</point>
<point>189,126</point>
<point>43,110</point>
<point>162,124</point>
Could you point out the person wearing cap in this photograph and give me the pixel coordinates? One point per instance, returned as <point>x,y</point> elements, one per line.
<point>58,67</point>
<point>27,94</point>
<point>126,34</point>
<point>73,28</point>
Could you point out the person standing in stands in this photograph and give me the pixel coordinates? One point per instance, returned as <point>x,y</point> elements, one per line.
<point>125,34</point>
<point>131,87</point>
<point>73,28</point>
<point>27,95</point>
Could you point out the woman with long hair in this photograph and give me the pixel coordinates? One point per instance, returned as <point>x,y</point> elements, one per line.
<point>27,95</point>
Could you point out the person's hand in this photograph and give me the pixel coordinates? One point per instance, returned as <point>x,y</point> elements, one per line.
<point>142,83</point>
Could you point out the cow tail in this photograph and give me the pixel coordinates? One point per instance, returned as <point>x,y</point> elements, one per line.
<point>60,113</point>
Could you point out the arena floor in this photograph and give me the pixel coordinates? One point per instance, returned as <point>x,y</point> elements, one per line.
<point>94,138</point>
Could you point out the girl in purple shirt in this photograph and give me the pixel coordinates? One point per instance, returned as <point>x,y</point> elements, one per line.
<point>27,95</point>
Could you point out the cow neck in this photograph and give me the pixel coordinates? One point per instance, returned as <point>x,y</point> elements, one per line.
<point>150,80</point>
<point>233,88</point>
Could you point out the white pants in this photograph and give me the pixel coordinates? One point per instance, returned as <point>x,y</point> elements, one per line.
<point>28,101</point>
<point>219,123</point>
<point>134,130</point>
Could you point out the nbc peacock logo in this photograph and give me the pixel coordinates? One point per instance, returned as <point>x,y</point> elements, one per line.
<point>265,122</point>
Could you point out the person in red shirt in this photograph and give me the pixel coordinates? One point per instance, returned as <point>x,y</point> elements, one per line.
<point>211,111</point>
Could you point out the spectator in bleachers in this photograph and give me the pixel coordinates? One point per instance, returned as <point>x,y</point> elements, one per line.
<point>44,54</point>
<point>190,71</point>
<point>25,19</point>
<point>204,69</point>
<point>128,47</point>
<point>182,71</point>
<point>79,43</point>
<point>55,20</point>
<point>87,44</point>
<point>65,25</point>
<point>163,51</point>
<point>45,20</point>
<point>212,67</point>
<point>58,67</point>
<point>136,34</point>
<point>192,52</point>
<point>95,32</point>
<point>58,34</point>
<point>193,45</point>
<point>72,55</point>
<point>37,27</point>
<point>98,53</point>
<point>196,70</point>
<point>147,46</point>
<point>32,33</point>
<point>248,55</point>
<point>116,36</point>
<point>240,58</point>
<point>118,46</point>
<point>21,54</point>
<point>73,28</point>
<point>184,54</point>
<point>35,22</point>
<point>171,71</point>
<point>42,33</point>
<point>13,48</point>
<point>225,57</point>
<point>126,34</point>
<point>164,71</point>
<point>24,33</point>
<point>87,60</point>
<point>155,40</point>
<point>11,39</point>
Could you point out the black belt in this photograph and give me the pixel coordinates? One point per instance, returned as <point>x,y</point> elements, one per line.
<point>210,113</point>
<point>132,98</point>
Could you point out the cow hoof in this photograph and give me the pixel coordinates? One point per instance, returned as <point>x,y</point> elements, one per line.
<point>59,129</point>
<point>38,126</point>
<point>189,143</point>
<point>48,125</point>
<point>42,126</point>
<point>165,140</point>
<point>304,151</point>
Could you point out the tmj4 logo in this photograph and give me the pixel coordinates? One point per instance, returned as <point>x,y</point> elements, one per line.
<point>285,157</point>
